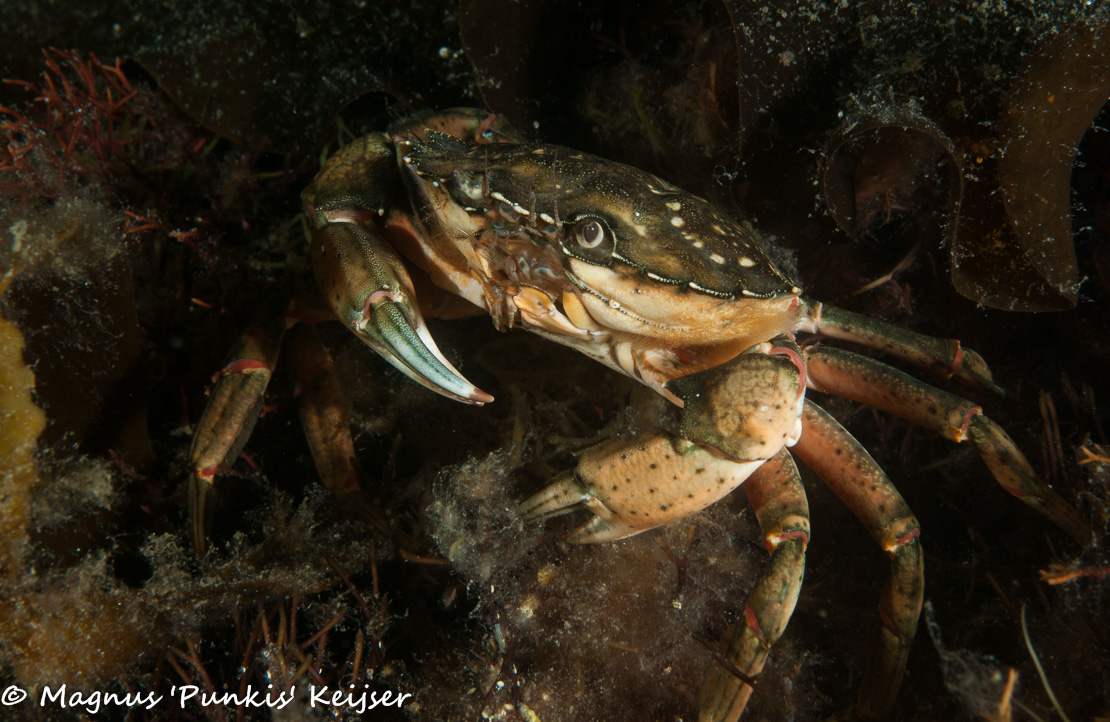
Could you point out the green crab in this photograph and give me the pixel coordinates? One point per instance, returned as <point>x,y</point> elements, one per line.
<point>658,285</point>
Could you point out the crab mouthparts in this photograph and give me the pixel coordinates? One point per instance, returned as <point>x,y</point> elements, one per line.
<point>367,286</point>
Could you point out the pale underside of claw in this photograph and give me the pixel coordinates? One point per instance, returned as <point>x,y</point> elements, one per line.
<point>367,286</point>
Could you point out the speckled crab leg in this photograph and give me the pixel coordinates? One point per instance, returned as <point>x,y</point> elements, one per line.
<point>776,494</point>
<point>234,405</point>
<point>943,357</point>
<point>871,382</point>
<point>850,472</point>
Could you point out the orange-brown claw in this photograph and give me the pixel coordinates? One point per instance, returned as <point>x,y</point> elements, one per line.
<point>735,417</point>
<point>632,485</point>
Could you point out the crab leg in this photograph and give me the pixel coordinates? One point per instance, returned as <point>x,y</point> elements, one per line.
<point>850,472</point>
<point>323,415</point>
<point>327,425</point>
<point>871,382</point>
<point>366,284</point>
<point>775,492</point>
<point>233,408</point>
<point>943,357</point>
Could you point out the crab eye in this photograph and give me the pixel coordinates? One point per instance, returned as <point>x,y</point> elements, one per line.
<point>589,233</point>
<point>592,241</point>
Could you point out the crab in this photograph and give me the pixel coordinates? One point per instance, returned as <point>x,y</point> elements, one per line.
<point>660,286</point>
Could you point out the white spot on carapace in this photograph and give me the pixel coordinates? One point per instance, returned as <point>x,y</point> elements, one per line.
<point>674,205</point>
<point>538,151</point>
<point>746,292</point>
<point>706,289</point>
<point>657,191</point>
<point>677,222</point>
<point>641,230</point>
<point>688,236</point>
<point>718,229</point>
<point>657,277</point>
<point>746,262</point>
<point>614,304</point>
<point>716,258</point>
<point>699,244</point>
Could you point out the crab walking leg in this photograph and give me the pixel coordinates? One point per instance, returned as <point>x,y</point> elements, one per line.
<point>233,408</point>
<point>775,492</point>
<point>365,283</point>
<point>323,414</point>
<point>871,382</point>
<point>850,472</point>
<point>327,425</point>
<point>943,357</point>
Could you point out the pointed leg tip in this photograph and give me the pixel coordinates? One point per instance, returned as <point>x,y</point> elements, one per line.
<point>200,486</point>
<point>200,544</point>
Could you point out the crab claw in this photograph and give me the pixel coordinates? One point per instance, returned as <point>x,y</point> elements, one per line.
<point>365,283</point>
